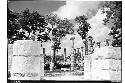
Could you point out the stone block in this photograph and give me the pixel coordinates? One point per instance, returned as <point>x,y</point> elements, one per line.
<point>27,47</point>
<point>28,62</point>
<point>107,52</point>
<point>87,67</point>
<point>111,64</point>
<point>87,63</point>
<point>110,75</point>
<point>87,75</point>
<point>10,55</point>
<point>25,68</point>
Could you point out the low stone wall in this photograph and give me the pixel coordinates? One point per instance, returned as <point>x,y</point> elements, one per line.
<point>101,74</point>
<point>103,64</point>
<point>107,52</point>
<point>27,62</point>
<point>106,64</point>
<point>87,67</point>
<point>112,64</point>
<point>10,55</point>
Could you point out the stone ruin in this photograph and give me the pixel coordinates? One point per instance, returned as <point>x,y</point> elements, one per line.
<point>103,64</point>
<point>27,61</point>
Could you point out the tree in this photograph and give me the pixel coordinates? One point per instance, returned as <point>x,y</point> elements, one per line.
<point>13,27</point>
<point>59,30</point>
<point>34,24</point>
<point>114,15</point>
<point>83,29</point>
<point>19,24</point>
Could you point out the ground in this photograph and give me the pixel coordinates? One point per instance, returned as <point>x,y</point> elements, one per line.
<point>64,75</point>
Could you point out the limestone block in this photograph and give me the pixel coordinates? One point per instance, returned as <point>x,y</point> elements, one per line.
<point>106,64</point>
<point>87,63</point>
<point>10,55</point>
<point>115,75</point>
<point>27,63</point>
<point>41,69</point>
<point>26,47</point>
<point>87,75</point>
<point>106,75</point>
<point>87,67</point>
<point>114,52</point>
<point>26,68</point>
<point>41,65</point>
<point>107,52</point>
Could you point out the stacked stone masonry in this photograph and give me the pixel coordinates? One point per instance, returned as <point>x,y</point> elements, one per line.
<point>106,64</point>
<point>27,62</point>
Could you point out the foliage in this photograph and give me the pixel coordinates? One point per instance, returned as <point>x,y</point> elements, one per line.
<point>20,24</point>
<point>59,29</point>
<point>83,30</point>
<point>84,26</point>
<point>114,15</point>
<point>12,26</point>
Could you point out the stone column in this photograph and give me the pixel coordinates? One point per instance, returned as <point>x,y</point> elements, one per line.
<point>82,58</point>
<point>52,59</point>
<point>72,55</point>
<point>28,62</point>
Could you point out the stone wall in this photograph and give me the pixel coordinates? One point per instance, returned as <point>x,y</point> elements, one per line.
<point>10,54</point>
<point>106,64</point>
<point>28,61</point>
<point>87,67</point>
<point>103,64</point>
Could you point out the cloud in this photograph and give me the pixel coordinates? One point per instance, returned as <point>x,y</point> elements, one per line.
<point>98,30</point>
<point>77,8</point>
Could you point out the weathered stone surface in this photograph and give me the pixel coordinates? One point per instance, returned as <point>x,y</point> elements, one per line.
<point>87,63</point>
<point>99,74</point>
<point>87,67</point>
<point>27,47</point>
<point>26,68</point>
<point>103,64</point>
<point>106,64</point>
<point>10,55</point>
<point>27,63</point>
<point>107,52</point>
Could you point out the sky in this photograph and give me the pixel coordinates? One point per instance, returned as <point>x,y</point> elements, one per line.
<point>77,8</point>
<point>69,9</point>
<point>42,6</point>
<point>64,8</point>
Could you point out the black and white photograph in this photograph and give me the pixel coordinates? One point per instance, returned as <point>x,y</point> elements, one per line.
<point>64,40</point>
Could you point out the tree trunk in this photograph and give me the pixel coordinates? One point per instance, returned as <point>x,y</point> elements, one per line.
<point>86,46</point>
<point>54,54</point>
<point>28,36</point>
